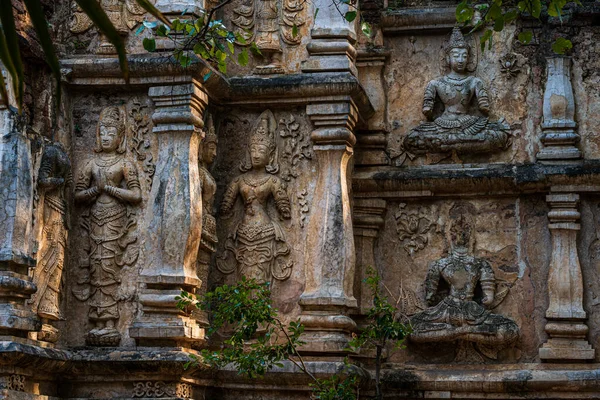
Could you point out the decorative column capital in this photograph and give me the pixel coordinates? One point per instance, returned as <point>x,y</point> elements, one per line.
<point>333,123</point>
<point>179,108</point>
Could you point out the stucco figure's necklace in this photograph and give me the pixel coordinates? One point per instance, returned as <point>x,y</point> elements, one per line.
<point>459,83</point>
<point>256,181</point>
<point>108,162</point>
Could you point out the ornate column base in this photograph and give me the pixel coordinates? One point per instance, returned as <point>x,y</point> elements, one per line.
<point>559,147</point>
<point>567,342</point>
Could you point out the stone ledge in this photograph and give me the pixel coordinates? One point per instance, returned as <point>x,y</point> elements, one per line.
<point>475,179</point>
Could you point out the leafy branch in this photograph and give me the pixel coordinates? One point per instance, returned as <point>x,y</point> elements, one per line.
<point>384,327</point>
<point>496,15</point>
<point>258,340</point>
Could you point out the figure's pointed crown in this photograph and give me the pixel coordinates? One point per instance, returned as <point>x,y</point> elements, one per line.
<point>457,40</point>
<point>210,131</point>
<point>262,134</point>
<point>112,116</point>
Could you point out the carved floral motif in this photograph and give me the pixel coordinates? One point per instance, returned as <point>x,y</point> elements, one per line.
<point>109,183</point>
<point>16,382</point>
<point>54,180</point>
<point>412,227</point>
<point>139,128</point>
<point>296,147</point>
<point>257,248</point>
<point>160,389</point>
<point>304,209</point>
<point>509,65</point>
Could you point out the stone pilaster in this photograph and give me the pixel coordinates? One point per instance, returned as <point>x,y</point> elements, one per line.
<point>566,324</point>
<point>368,221</point>
<point>173,221</point>
<point>330,257</point>
<point>559,134</point>
<point>16,235</point>
<point>331,47</point>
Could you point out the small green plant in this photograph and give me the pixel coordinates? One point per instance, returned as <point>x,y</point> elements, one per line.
<point>384,327</point>
<point>257,338</point>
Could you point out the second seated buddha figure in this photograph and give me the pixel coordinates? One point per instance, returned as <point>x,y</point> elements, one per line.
<point>459,128</point>
<point>459,316</point>
<point>257,248</point>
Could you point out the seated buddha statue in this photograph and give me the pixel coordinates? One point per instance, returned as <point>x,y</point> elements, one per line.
<point>458,316</point>
<point>459,128</point>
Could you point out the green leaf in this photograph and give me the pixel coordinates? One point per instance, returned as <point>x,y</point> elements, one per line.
<point>499,24</point>
<point>102,22</point>
<point>162,31</point>
<point>316,12</point>
<point>366,28</point>
<point>525,37</point>
<point>38,20</point>
<point>12,47</point>
<point>510,16</point>
<point>255,50</point>
<point>464,12</point>
<point>561,45</point>
<point>149,7</point>
<point>494,12</point>
<point>230,47</point>
<point>487,36</point>
<point>350,16</point>
<point>295,30</point>
<point>536,8</point>
<point>243,58</point>
<point>149,44</point>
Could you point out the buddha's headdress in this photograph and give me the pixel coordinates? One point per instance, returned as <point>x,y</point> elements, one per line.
<point>114,117</point>
<point>457,41</point>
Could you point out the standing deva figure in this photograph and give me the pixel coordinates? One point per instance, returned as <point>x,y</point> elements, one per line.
<point>458,316</point>
<point>109,182</point>
<point>54,181</point>
<point>459,128</point>
<point>257,246</point>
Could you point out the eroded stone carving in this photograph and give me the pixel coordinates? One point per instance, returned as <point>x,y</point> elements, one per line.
<point>16,382</point>
<point>304,208</point>
<point>458,129</point>
<point>456,315</point>
<point>296,148</point>
<point>54,180</point>
<point>267,23</point>
<point>412,227</point>
<point>140,144</point>
<point>209,240</point>
<point>109,183</point>
<point>124,15</point>
<point>161,389</point>
<point>509,65</point>
<point>257,248</point>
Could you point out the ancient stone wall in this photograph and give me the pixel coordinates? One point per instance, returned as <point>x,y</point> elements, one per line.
<point>466,178</point>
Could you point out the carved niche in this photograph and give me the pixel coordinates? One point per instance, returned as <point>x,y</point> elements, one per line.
<point>266,23</point>
<point>54,182</point>
<point>108,185</point>
<point>124,15</point>
<point>453,126</point>
<point>257,248</point>
<point>456,314</point>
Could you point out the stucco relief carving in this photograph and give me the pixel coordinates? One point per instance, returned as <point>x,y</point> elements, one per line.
<point>458,129</point>
<point>413,226</point>
<point>296,147</point>
<point>304,208</point>
<point>124,15</point>
<point>267,23</point>
<point>160,389</point>
<point>109,184</point>
<point>456,314</point>
<point>140,127</point>
<point>510,65</point>
<point>257,248</point>
<point>208,152</point>
<point>54,181</point>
